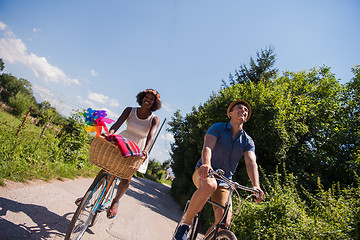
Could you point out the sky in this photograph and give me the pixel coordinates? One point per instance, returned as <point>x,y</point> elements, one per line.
<point>100,54</point>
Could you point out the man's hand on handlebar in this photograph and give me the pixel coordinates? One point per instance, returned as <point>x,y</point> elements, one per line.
<point>260,195</point>
<point>204,171</point>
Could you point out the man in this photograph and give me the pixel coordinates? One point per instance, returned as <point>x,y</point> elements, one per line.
<point>224,145</point>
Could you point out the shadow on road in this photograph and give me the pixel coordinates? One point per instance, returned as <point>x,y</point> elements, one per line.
<point>45,222</point>
<point>156,197</point>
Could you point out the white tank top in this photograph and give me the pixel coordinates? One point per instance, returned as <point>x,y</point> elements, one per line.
<point>137,130</point>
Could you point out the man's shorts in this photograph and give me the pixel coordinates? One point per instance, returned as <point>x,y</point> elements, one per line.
<point>221,194</point>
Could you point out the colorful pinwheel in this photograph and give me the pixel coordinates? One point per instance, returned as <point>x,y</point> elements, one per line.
<point>96,120</point>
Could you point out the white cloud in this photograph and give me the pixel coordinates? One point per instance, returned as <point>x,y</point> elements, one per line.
<point>167,107</point>
<point>101,98</point>
<point>94,73</point>
<point>13,50</point>
<point>168,137</point>
<point>98,97</point>
<point>113,103</point>
<point>2,25</point>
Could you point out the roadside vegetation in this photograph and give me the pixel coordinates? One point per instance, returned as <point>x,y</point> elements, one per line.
<point>305,126</point>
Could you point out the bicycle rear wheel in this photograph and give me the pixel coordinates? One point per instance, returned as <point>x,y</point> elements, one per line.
<point>225,235</point>
<point>87,209</point>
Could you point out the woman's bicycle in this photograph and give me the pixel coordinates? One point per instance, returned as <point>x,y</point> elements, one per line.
<point>221,231</point>
<point>92,204</point>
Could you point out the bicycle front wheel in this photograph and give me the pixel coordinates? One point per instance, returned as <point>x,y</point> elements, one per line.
<point>87,208</point>
<point>225,235</point>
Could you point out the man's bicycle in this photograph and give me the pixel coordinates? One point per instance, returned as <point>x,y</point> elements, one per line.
<point>92,204</point>
<point>221,231</point>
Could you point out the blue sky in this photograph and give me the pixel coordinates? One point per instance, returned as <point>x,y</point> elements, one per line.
<point>100,54</point>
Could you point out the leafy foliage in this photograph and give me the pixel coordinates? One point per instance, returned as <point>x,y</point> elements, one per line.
<point>28,156</point>
<point>13,86</point>
<point>262,70</point>
<point>296,120</point>
<point>306,121</point>
<point>292,214</point>
<point>154,171</point>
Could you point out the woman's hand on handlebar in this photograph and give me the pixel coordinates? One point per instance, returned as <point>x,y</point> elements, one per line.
<point>145,155</point>
<point>204,171</point>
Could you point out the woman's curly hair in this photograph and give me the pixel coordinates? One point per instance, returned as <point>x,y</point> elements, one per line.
<point>157,103</point>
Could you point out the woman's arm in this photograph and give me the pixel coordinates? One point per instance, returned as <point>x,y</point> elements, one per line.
<point>125,114</point>
<point>150,137</point>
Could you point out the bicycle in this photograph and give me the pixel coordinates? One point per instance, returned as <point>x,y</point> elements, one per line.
<point>220,232</point>
<point>94,202</point>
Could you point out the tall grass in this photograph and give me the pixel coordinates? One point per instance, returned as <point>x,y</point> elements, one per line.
<point>28,156</point>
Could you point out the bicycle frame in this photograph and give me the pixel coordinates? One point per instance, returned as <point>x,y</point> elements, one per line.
<point>110,183</point>
<point>218,175</point>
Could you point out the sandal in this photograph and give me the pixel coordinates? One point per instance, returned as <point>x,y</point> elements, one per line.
<point>78,201</point>
<point>110,211</point>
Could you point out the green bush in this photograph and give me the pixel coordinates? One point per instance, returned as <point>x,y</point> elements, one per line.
<point>289,213</point>
<point>28,156</point>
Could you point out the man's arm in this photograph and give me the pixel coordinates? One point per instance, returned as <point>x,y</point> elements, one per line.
<point>253,173</point>
<point>209,143</point>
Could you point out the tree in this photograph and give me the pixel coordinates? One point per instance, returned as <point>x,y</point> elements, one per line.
<point>75,140</point>
<point>166,164</point>
<point>2,65</point>
<point>21,103</point>
<point>303,120</point>
<point>262,70</point>
<point>12,86</point>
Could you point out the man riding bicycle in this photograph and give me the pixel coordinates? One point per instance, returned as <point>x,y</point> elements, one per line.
<point>224,145</point>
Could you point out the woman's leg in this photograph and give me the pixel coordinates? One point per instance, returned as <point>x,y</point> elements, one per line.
<point>121,190</point>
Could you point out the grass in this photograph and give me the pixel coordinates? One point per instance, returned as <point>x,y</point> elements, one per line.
<point>28,156</point>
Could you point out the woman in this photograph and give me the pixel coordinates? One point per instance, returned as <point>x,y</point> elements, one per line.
<point>141,126</point>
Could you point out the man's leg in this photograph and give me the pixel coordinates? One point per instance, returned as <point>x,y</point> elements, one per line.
<point>199,198</point>
<point>220,196</point>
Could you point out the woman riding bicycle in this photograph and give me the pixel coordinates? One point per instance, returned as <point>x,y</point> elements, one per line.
<point>141,126</point>
<point>224,145</point>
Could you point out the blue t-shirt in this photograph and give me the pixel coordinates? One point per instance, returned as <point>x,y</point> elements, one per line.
<point>228,151</point>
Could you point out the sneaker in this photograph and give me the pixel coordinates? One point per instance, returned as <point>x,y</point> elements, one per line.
<point>182,232</point>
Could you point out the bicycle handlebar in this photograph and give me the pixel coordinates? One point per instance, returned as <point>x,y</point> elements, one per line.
<point>219,173</point>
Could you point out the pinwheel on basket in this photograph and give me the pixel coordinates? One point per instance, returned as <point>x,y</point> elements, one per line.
<point>96,120</point>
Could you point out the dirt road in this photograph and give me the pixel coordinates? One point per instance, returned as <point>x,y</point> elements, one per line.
<point>43,210</point>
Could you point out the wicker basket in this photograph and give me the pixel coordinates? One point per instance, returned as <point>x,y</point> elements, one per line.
<point>107,156</point>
